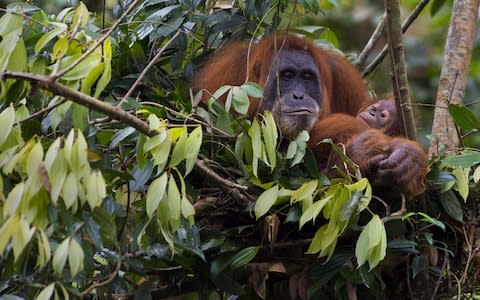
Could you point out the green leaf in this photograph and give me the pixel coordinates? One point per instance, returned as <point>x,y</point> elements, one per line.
<point>433,221</point>
<point>9,227</point>
<point>7,46</point>
<point>7,118</point>
<point>60,48</point>
<point>462,182</point>
<point>372,243</point>
<point>314,210</point>
<point>252,89</point>
<point>467,159</point>
<point>10,22</point>
<point>155,193</point>
<point>82,69</point>
<point>192,148</point>
<point>451,205</point>
<point>58,28</point>
<point>69,189</point>
<point>44,251</point>
<point>270,136</point>
<point>120,136</point>
<point>188,211</point>
<point>240,100</point>
<point>476,175</point>
<point>242,257</point>
<point>107,71</point>
<point>255,136</point>
<point>14,199</point>
<point>173,204</point>
<point>91,78</point>
<point>46,293</point>
<point>306,190</point>
<point>265,201</point>
<point>463,117</point>
<point>178,153</point>
<point>219,93</point>
<point>75,257</point>
<point>60,256</point>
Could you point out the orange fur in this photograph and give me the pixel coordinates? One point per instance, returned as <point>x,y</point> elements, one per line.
<point>396,162</point>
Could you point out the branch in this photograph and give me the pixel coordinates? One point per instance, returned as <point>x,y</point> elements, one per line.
<point>232,188</point>
<point>82,99</point>
<point>399,69</point>
<point>98,43</point>
<point>453,77</point>
<point>148,67</point>
<point>406,24</point>
<point>371,42</point>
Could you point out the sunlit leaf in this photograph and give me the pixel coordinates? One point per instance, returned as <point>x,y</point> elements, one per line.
<point>14,199</point>
<point>46,293</point>
<point>75,257</point>
<point>314,210</point>
<point>7,230</point>
<point>306,190</point>
<point>155,193</point>
<point>265,201</point>
<point>44,251</point>
<point>178,153</point>
<point>58,28</point>
<point>60,48</point>
<point>372,243</point>
<point>461,175</point>
<point>188,211</point>
<point>7,118</point>
<point>70,190</point>
<point>60,256</point>
<point>255,136</point>
<point>23,235</point>
<point>107,70</point>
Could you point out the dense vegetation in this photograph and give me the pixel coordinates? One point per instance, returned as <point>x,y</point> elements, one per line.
<point>115,185</point>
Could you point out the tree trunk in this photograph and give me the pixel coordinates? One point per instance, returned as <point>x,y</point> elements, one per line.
<point>453,78</point>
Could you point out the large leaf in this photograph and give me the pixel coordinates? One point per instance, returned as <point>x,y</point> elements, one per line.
<point>463,117</point>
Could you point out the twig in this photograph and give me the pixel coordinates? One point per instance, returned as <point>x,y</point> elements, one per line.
<point>97,44</point>
<point>236,190</point>
<point>371,42</point>
<point>146,69</point>
<point>186,117</point>
<point>406,24</point>
<point>43,111</point>
<point>24,16</point>
<point>401,89</point>
<point>110,278</point>
<point>127,210</point>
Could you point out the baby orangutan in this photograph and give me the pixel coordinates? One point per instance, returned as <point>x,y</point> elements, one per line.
<point>382,115</point>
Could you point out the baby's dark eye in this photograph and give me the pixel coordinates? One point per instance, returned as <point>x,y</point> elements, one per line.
<point>383,114</point>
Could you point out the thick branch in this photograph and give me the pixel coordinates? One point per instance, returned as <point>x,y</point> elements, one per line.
<point>406,24</point>
<point>399,70</point>
<point>82,99</point>
<point>453,78</point>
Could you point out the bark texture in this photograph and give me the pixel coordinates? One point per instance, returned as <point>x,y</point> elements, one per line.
<point>453,77</point>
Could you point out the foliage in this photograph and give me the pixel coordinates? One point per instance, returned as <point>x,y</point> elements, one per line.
<point>94,206</point>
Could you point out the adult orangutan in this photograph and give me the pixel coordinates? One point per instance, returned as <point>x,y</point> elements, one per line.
<point>308,88</point>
